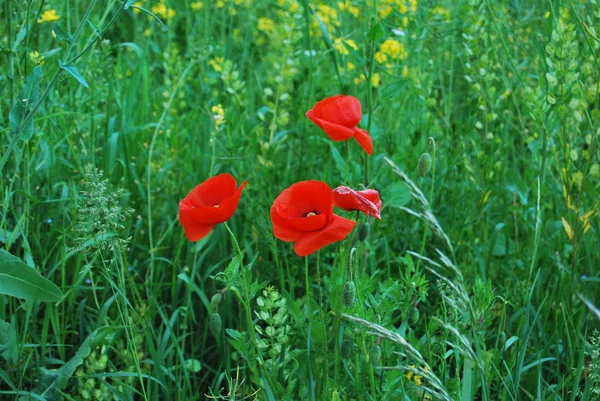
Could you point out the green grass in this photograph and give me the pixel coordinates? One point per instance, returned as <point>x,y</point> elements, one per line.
<point>478,283</point>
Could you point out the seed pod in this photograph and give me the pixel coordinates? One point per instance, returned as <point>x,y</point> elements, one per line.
<point>375,353</point>
<point>349,293</point>
<point>363,231</point>
<point>413,315</point>
<point>346,348</point>
<point>215,301</point>
<point>424,164</point>
<point>215,324</point>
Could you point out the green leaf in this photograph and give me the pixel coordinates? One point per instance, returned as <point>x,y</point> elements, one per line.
<point>21,281</point>
<point>8,342</point>
<point>395,195</point>
<point>61,34</point>
<point>376,32</point>
<point>52,381</point>
<point>74,72</point>
<point>27,98</point>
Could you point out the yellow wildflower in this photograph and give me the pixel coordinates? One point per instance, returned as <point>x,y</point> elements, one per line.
<point>413,5</point>
<point>36,58</point>
<point>218,115</point>
<point>385,10</point>
<point>220,4</point>
<point>48,16</point>
<point>348,6</point>
<point>376,80</point>
<point>266,25</point>
<point>197,5</point>
<point>137,4</point>
<point>162,11</point>
<point>338,44</point>
<point>147,32</point>
<point>350,66</point>
<point>394,49</point>
<point>380,57</point>
<point>217,63</point>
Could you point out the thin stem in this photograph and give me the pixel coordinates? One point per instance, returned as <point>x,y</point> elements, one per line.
<point>431,142</point>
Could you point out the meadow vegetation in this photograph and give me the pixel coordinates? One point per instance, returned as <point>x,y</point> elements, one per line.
<point>481,280</point>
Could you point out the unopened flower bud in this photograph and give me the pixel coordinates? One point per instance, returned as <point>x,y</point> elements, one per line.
<point>346,348</point>
<point>375,354</point>
<point>363,231</point>
<point>349,293</point>
<point>215,324</point>
<point>424,164</point>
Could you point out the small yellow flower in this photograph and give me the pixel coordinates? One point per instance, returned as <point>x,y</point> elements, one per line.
<point>380,57</point>
<point>350,66</point>
<point>163,12</point>
<point>197,5</point>
<point>218,115</point>
<point>266,25</point>
<point>385,10</point>
<point>48,16</point>
<point>217,63</point>
<point>137,4</point>
<point>220,4</point>
<point>36,58</point>
<point>147,32</point>
<point>394,49</point>
<point>376,80</point>
<point>348,6</point>
<point>338,44</point>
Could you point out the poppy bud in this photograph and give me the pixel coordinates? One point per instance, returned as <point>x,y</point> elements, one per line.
<point>375,354</point>
<point>363,231</point>
<point>346,348</point>
<point>424,164</point>
<point>349,293</point>
<point>215,324</point>
<point>413,315</point>
<point>216,300</point>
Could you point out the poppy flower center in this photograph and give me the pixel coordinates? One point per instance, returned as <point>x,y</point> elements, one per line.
<point>310,214</point>
<point>216,206</point>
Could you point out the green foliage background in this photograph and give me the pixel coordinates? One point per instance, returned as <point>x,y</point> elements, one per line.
<point>481,287</point>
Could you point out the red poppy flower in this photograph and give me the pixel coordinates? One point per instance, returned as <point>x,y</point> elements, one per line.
<point>212,202</point>
<point>366,201</point>
<point>339,116</point>
<point>303,214</point>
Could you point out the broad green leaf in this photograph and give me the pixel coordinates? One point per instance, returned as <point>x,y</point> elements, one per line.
<point>395,195</point>
<point>52,381</point>
<point>27,98</point>
<point>21,281</point>
<point>376,32</point>
<point>8,342</point>
<point>74,72</point>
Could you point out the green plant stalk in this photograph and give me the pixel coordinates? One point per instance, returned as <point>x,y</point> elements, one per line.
<point>245,300</point>
<point>322,317</point>
<point>431,188</point>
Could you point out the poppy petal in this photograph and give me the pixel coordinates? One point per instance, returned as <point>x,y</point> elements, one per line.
<point>373,196</point>
<point>340,109</point>
<point>335,132</point>
<point>192,214</point>
<point>212,191</point>
<point>195,232</point>
<point>338,229</point>
<point>364,140</point>
<point>349,199</point>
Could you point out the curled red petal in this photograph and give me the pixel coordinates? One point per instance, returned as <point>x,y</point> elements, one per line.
<point>335,132</point>
<point>364,140</point>
<point>349,199</point>
<point>337,229</point>
<point>373,196</point>
<point>339,109</point>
